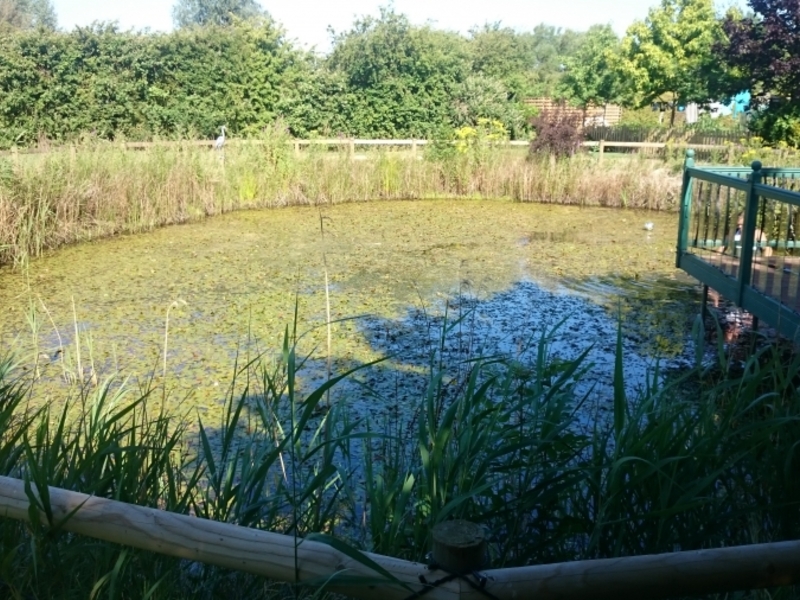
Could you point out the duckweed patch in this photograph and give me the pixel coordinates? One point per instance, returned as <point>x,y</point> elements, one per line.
<point>231,285</point>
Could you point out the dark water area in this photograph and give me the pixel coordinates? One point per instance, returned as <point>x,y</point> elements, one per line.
<point>398,273</point>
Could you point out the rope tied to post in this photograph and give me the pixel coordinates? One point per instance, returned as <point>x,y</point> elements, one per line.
<point>459,550</point>
<point>479,583</point>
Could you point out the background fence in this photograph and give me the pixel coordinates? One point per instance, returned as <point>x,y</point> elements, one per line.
<point>413,145</point>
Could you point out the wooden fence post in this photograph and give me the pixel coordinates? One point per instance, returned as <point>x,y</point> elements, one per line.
<point>686,207</point>
<point>459,546</point>
<point>601,148</point>
<point>366,575</point>
<point>749,232</point>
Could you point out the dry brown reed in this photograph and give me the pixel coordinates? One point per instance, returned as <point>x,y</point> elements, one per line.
<point>48,200</point>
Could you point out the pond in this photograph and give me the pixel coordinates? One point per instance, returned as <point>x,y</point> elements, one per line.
<point>229,286</point>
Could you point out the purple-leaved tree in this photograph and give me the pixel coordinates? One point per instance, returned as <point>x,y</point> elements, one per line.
<point>763,54</point>
<point>764,49</point>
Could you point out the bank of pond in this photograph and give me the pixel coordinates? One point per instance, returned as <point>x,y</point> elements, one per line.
<point>533,368</point>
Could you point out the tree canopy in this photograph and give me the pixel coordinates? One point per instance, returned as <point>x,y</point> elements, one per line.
<point>764,48</point>
<point>763,51</point>
<point>402,76</point>
<point>591,75</point>
<point>669,56</point>
<point>27,14</point>
<point>214,12</point>
<point>229,63</point>
<point>100,81</point>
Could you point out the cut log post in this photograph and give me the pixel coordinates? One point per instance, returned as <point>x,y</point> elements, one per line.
<point>284,558</point>
<point>459,546</point>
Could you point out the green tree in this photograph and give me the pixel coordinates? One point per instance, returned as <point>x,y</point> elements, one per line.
<point>186,13</point>
<point>763,53</point>
<point>100,81</point>
<point>480,97</point>
<point>529,63</point>
<point>27,14</point>
<point>669,57</point>
<point>551,49</point>
<point>210,76</point>
<point>502,54</point>
<point>591,75</point>
<point>401,78</point>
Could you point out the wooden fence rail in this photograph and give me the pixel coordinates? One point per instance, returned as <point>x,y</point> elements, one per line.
<point>285,558</point>
<point>350,144</point>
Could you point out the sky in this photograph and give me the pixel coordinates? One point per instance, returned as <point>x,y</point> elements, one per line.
<point>307,21</point>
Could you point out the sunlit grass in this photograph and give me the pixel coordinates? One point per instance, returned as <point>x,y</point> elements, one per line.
<point>99,190</point>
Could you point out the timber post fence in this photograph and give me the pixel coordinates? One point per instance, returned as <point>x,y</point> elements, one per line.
<point>314,563</point>
<point>350,145</point>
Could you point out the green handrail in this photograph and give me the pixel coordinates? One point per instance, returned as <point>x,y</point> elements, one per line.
<point>749,182</point>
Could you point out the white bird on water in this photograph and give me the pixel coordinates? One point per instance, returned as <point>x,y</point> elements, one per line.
<point>649,226</point>
<point>220,140</point>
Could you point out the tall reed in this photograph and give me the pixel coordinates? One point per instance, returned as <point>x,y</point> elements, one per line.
<point>101,190</point>
<point>706,458</point>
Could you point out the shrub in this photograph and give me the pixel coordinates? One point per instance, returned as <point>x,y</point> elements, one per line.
<point>558,132</point>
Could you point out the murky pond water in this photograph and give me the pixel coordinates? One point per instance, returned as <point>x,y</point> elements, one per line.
<point>228,286</point>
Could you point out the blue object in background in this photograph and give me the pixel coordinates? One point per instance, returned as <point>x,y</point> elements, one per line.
<point>735,105</point>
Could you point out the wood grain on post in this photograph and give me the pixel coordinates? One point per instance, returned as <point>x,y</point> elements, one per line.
<point>690,573</point>
<point>459,546</point>
<point>271,555</point>
<point>284,558</point>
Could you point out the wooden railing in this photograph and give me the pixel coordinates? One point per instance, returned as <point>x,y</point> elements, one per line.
<point>621,133</point>
<point>351,144</point>
<point>365,575</point>
<point>738,233</point>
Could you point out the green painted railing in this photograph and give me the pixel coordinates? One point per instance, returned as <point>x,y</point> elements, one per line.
<point>739,233</point>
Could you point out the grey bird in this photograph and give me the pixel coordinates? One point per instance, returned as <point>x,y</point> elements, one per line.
<point>220,140</point>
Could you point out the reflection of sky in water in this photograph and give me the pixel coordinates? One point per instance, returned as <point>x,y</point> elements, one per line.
<point>241,275</point>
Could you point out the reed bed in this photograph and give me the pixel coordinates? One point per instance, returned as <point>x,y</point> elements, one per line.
<point>708,459</point>
<point>99,190</point>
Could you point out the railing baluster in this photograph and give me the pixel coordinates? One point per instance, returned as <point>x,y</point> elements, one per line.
<point>727,227</point>
<point>748,233</point>
<point>717,215</point>
<point>698,202</point>
<point>707,214</point>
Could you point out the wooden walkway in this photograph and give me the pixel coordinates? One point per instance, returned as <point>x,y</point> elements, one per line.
<point>712,200</point>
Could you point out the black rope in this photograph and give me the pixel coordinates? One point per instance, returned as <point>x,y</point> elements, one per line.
<point>479,583</point>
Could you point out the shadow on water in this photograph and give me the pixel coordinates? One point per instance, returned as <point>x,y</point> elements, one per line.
<point>381,406</point>
<point>514,326</point>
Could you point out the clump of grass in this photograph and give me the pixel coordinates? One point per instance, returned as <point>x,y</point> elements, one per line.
<point>630,183</point>
<point>101,190</point>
